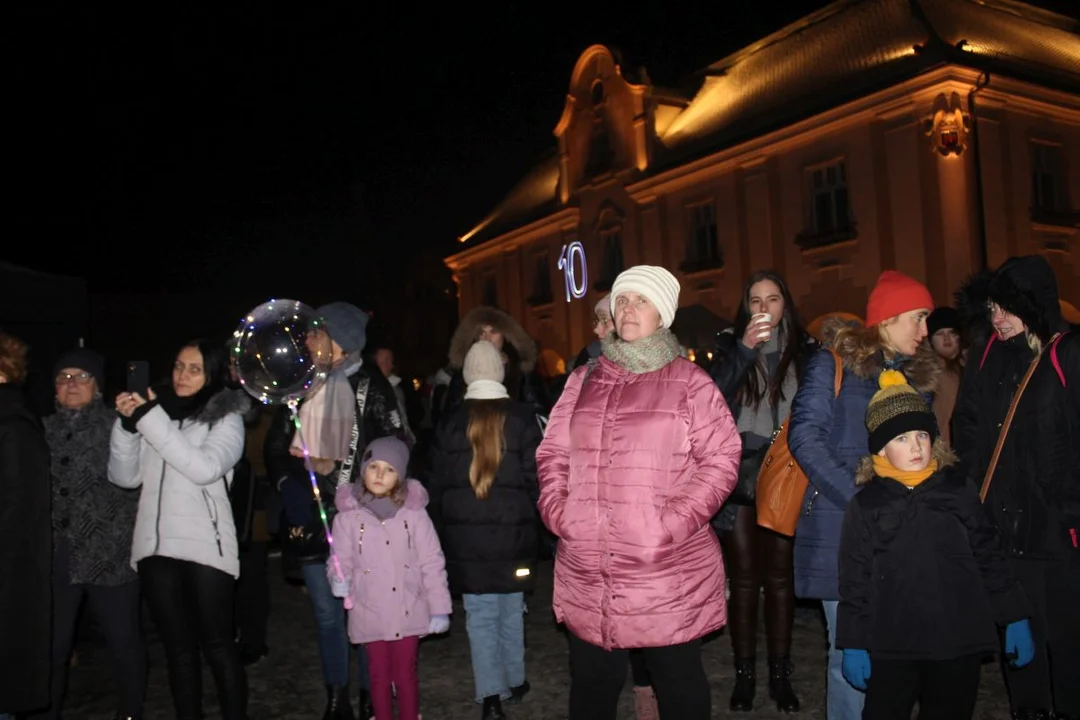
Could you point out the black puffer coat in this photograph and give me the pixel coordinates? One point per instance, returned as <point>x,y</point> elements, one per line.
<point>488,543</point>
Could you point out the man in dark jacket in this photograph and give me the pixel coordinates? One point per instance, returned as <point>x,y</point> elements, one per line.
<point>26,553</point>
<point>1033,494</point>
<point>304,541</point>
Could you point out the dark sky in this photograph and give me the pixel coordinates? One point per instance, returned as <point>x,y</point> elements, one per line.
<point>186,141</point>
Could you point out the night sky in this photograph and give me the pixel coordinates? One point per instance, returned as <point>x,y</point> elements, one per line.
<point>287,151</point>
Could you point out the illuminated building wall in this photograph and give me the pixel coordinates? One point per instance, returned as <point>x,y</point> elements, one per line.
<point>839,146</point>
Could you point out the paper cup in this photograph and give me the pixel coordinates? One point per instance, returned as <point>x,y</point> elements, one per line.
<point>765,320</point>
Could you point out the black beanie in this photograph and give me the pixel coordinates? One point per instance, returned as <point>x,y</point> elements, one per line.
<point>941,318</point>
<point>83,359</point>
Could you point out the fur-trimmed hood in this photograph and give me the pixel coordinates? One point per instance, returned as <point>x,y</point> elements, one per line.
<point>346,496</point>
<point>469,329</point>
<point>1024,286</point>
<point>221,404</point>
<point>861,351</point>
<point>940,451</point>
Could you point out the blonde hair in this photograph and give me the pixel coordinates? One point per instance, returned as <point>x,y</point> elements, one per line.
<point>486,433</point>
<point>13,358</point>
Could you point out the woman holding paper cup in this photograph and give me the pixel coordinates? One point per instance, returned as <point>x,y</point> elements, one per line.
<point>758,366</point>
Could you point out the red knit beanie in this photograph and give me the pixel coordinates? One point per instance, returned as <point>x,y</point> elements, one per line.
<point>894,294</point>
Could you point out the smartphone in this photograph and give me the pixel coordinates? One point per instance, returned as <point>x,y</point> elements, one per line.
<point>138,377</point>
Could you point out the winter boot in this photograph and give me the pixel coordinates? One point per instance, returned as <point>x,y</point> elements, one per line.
<point>742,696</point>
<point>645,707</point>
<point>337,703</point>
<point>365,710</point>
<point>518,692</point>
<point>780,689</point>
<point>493,709</point>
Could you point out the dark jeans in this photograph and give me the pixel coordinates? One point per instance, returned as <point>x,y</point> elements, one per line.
<point>945,690</point>
<point>639,674</point>
<point>252,607</point>
<point>597,677</point>
<point>1050,681</point>
<point>117,612</point>
<point>755,557</point>
<point>331,631</point>
<point>192,607</point>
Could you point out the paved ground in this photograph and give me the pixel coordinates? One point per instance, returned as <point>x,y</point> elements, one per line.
<point>287,684</point>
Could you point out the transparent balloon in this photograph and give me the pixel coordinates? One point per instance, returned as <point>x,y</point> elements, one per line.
<point>281,352</point>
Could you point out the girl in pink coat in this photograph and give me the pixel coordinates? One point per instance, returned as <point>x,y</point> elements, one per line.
<point>640,452</point>
<point>393,574</point>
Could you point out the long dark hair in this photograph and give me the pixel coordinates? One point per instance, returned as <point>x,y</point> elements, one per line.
<point>753,390</point>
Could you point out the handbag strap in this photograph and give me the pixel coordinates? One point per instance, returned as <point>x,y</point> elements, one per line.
<point>1005,425</point>
<point>345,472</point>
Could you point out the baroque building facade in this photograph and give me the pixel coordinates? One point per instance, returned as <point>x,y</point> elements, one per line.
<point>935,137</point>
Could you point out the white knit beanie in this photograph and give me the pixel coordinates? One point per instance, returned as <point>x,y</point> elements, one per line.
<point>484,372</point>
<point>603,307</point>
<point>655,283</point>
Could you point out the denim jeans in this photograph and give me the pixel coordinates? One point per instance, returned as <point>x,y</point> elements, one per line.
<point>843,701</point>
<point>496,627</point>
<point>330,628</point>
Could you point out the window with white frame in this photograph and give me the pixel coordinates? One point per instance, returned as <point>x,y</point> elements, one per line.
<point>830,210</point>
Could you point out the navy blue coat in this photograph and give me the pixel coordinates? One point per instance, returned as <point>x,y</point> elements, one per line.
<point>828,438</point>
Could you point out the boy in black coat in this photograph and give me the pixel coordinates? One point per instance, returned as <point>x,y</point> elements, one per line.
<point>923,578</point>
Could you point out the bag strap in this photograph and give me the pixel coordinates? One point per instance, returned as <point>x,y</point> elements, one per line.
<point>1008,421</point>
<point>989,344</point>
<point>1054,359</point>
<point>345,473</point>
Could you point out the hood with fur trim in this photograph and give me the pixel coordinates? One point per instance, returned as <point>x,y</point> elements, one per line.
<point>469,329</point>
<point>416,496</point>
<point>1024,286</point>
<point>861,352</point>
<point>940,451</point>
<point>223,403</point>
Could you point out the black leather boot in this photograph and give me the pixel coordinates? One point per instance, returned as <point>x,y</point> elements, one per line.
<point>742,696</point>
<point>493,709</point>
<point>365,711</point>
<point>337,703</point>
<point>780,689</point>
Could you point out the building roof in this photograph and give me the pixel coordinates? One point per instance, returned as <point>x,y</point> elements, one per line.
<point>846,50</point>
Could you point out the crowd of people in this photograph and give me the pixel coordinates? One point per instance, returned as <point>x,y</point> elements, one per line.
<point>938,529</point>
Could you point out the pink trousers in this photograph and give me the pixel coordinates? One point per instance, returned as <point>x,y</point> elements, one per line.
<point>394,662</point>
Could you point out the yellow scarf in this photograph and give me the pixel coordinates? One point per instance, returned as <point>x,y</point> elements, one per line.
<point>910,478</point>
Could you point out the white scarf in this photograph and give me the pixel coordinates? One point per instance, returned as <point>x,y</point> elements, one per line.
<point>486,390</point>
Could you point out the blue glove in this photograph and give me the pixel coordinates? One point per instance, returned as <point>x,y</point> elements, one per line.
<point>1019,645</point>
<point>856,668</point>
<point>438,625</point>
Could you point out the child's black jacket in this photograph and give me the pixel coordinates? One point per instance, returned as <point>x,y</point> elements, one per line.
<point>922,572</point>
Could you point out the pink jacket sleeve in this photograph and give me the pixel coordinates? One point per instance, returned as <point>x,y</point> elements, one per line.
<point>715,448</point>
<point>553,455</point>
<point>432,566</point>
<point>345,552</point>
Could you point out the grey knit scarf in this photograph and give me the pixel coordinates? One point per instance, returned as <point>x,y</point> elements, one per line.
<point>644,355</point>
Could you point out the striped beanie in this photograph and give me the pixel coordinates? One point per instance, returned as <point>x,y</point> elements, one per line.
<point>895,409</point>
<point>653,282</point>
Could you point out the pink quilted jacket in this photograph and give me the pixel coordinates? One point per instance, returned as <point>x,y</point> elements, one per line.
<point>631,469</point>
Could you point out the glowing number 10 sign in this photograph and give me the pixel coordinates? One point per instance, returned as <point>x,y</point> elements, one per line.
<point>566,264</point>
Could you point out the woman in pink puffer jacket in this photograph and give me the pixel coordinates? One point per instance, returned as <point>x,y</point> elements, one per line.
<point>640,452</point>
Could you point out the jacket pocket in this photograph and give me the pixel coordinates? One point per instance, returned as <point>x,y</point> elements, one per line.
<point>212,513</point>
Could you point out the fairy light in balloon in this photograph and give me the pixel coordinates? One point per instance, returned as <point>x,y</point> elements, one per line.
<point>575,287</point>
<point>315,488</point>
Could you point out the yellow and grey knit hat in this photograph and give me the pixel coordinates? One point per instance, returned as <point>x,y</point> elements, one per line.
<point>896,409</point>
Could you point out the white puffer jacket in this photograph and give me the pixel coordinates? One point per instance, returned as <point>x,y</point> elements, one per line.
<point>184,469</point>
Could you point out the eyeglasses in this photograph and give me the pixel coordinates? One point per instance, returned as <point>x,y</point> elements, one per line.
<point>82,378</point>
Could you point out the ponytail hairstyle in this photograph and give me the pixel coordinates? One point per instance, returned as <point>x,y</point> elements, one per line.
<point>487,422</point>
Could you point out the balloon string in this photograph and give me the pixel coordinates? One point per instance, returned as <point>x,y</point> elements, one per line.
<point>315,489</point>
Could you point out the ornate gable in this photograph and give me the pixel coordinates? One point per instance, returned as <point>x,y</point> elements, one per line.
<point>604,129</point>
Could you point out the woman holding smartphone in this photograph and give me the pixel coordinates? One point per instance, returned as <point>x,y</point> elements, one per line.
<point>179,444</point>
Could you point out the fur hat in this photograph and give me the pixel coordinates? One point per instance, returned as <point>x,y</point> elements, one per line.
<point>895,409</point>
<point>655,283</point>
<point>1023,286</point>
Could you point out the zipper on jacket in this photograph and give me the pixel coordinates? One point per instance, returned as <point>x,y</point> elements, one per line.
<point>360,540</point>
<point>810,504</point>
<point>157,520</point>
<point>408,535</point>
<point>211,510</point>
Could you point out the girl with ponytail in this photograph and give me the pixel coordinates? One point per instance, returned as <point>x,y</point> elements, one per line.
<point>483,500</point>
